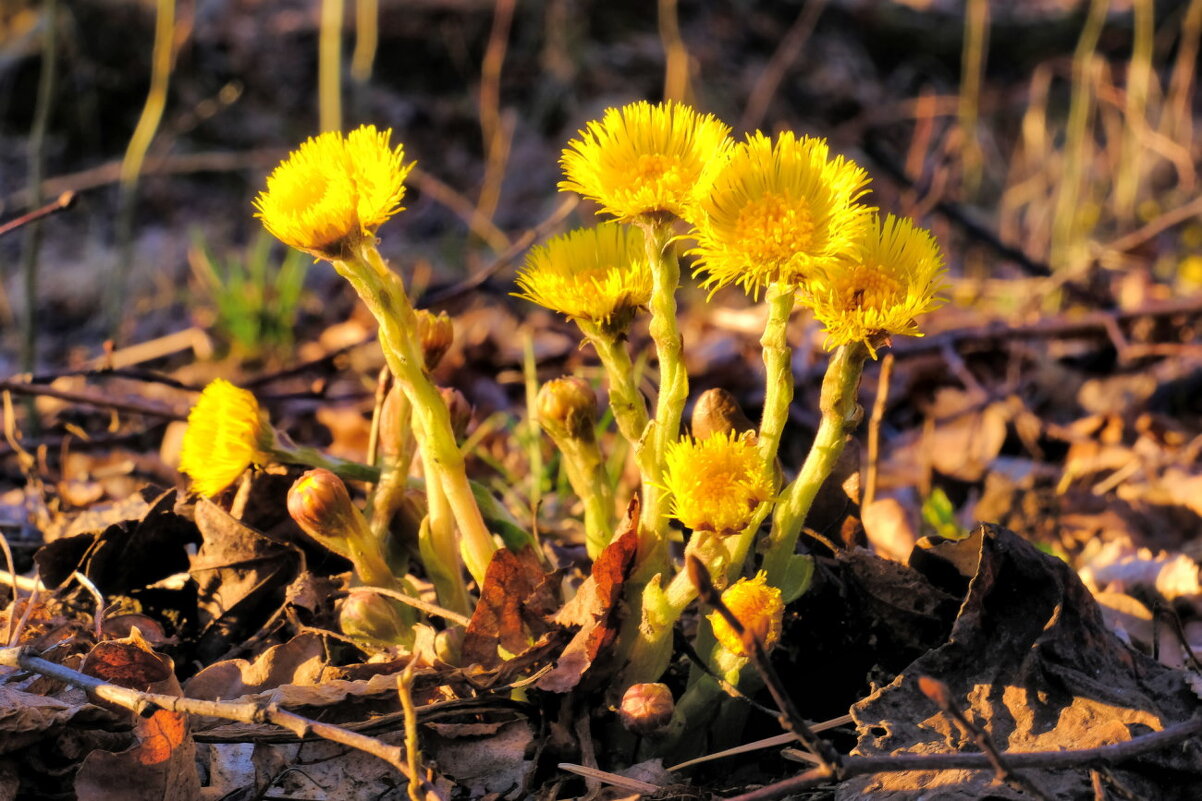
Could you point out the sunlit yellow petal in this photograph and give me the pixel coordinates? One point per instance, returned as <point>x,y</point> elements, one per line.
<point>775,210</point>
<point>645,159</point>
<point>379,175</point>
<point>332,190</point>
<point>596,274</point>
<point>716,483</point>
<point>891,278</point>
<point>757,606</point>
<point>226,433</point>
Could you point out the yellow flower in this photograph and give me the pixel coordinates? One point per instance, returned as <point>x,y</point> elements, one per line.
<point>332,190</point>
<point>775,210</point>
<point>227,432</point>
<point>645,159</point>
<point>716,483</point>
<point>599,275</point>
<point>757,606</point>
<point>891,277</point>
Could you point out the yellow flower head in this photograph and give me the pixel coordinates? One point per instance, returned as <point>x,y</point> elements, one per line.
<point>891,277</point>
<point>716,483</point>
<point>599,275</point>
<point>757,606</point>
<point>333,190</point>
<point>775,210</point>
<point>227,432</point>
<point>645,159</point>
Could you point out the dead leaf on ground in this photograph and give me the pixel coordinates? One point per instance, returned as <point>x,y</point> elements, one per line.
<point>1031,661</point>
<point>515,603</point>
<point>160,765</point>
<point>240,574</point>
<point>595,607</point>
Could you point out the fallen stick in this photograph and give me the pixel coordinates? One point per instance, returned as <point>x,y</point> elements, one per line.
<point>1028,760</point>
<point>145,703</point>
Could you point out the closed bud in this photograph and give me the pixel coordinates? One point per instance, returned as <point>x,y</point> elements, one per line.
<point>394,422</point>
<point>567,407</point>
<point>436,333</point>
<point>646,708</point>
<point>460,409</point>
<point>717,412</point>
<point>370,617</point>
<point>320,504</point>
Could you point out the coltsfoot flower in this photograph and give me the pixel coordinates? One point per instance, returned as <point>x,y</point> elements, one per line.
<point>645,159</point>
<point>597,275</point>
<point>758,606</point>
<point>892,276</point>
<point>227,433</point>
<point>716,483</point>
<point>333,190</point>
<point>646,708</point>
<point>775,211</point>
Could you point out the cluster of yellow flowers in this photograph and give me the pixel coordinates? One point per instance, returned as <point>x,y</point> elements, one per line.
<point>763,211</point>
<point>778,215</point>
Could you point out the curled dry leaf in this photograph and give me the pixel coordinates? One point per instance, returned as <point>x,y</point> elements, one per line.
<point>515,603</point>
<point>160,766</point>
<point>595,608</point>
<point>1029,660</point>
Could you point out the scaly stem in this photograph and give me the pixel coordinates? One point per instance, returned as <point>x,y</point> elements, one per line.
<point>312,457</point>
<point>840,415</point>
<point>673,392</point>
<point>778,372</point>
<point>382,291</point>
<point>630,410</point>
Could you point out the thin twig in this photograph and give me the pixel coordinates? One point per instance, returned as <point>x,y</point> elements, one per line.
<point>98,618</point>
<point>938,692</point>
<point>524,241</point>
<point>144,703</point>
<point>99,401</point>
<point>14,633</point>
<point>418,603</point>
<point>1029,760</point>
<point>62,203</point>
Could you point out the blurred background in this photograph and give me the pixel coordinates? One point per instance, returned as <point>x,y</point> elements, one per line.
<point>1045,139</point>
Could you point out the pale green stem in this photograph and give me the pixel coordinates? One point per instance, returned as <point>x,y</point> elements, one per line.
<point>312,457</point>
<point>439,550</point>
<point>394,460</point>
<point>630,410</point>
<point>586,473</point>
<point>778,372</point>
<point>382,291</point>
<point>669,350</point>
<point>840,415</point>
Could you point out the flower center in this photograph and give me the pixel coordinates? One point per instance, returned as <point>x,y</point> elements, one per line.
<point>772,230</point>
<point>870,287</point>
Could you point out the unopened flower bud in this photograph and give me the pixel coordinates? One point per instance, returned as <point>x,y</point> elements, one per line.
<point>646,708</point>
<point>460,409</point>
<point>394,423</point>
<point>756,605</point>
<point>320,504</point>
<point>567,408</point>
<point>436,333</point>
<point>371,617</point>
<point>717,412</point>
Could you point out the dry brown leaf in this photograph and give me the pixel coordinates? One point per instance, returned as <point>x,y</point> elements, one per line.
<point>595,607</point>
<point>298,661</point>
<point>160,766</point>
<point>515,602</point>
<point>1031,661</point>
